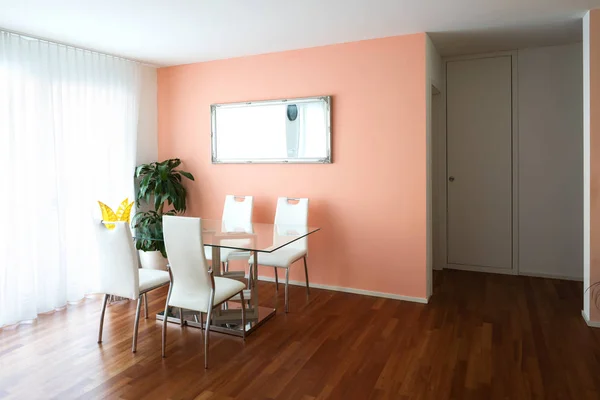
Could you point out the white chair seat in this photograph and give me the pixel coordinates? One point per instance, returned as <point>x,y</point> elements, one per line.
<point>152,278</point>
<point>281,258</point>
<point>225,288</point>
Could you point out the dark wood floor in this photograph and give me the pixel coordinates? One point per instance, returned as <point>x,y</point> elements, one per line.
<point>481,337</point>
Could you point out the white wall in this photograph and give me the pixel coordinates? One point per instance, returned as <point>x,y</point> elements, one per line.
<point>147,141</point>
<point>550,112</point>
<point>434,77</point>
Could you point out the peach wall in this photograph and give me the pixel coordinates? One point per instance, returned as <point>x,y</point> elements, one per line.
<point>593,116</point>
<point>371,202</point>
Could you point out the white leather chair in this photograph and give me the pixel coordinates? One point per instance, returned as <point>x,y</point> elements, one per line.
<point>120,274</point>
<point>236,211</point>
<point>193,286</point>
<point>289,212</point>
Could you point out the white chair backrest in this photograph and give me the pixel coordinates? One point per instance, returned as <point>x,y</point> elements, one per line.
<point>238,208</point>
<point>291,212</point>
<point>185,251</point>
<point>119,274</point>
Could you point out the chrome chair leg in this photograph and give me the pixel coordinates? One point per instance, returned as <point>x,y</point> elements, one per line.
<point>104,301</point>
<point>250,279</point>
<point>136,324</point>
<point>276,280</point>
<point>243,316</point>
<point>145,305</point>
<point>207,332</point>
<point>306,273</point>
<point>165,317</point>
<point>287,279</point>
<point>224,266</point>
<point>181,316</point>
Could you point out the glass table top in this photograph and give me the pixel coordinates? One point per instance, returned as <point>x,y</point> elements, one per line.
<point>259,237</point>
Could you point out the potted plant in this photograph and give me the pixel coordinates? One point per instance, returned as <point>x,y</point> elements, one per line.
<point>160,185</point>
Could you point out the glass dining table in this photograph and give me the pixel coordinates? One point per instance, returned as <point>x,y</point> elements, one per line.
<point>239,241</point>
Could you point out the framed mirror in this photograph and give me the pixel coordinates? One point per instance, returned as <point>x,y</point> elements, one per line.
<point>273,131</point>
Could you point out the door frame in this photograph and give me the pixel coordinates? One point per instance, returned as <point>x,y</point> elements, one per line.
<point>442,182</point>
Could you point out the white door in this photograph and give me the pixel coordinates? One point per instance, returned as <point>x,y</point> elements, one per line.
<point>479,163</point>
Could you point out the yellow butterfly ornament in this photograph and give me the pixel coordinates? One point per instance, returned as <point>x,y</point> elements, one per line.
<point>123,213</point>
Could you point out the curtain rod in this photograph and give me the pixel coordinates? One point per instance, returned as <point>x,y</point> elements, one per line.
<point>31,37</point>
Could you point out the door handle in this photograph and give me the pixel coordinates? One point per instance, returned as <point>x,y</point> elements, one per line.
<point>451,179</point>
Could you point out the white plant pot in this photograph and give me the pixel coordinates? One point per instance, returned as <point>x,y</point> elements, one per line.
<point>152,260</point>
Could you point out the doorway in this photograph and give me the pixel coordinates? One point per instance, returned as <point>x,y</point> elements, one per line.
<point>476,184</point>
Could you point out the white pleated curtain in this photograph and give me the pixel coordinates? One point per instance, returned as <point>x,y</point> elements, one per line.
<point>68,128</point>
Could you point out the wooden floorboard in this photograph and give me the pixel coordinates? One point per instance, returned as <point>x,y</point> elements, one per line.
<point>482,336</point>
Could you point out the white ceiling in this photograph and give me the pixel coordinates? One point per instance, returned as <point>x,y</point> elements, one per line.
<point>170,32</point>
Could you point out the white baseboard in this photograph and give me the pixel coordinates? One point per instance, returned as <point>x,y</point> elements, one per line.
<point>551,276</point>
<point>350,290</point>
<point>488,270</point>
<point>592,324</point>
<point>511,272</point>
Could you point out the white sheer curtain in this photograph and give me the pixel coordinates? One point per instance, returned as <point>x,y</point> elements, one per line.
<point>68,127</point>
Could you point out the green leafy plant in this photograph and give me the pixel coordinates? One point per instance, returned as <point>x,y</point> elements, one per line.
<point>160,185</point>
